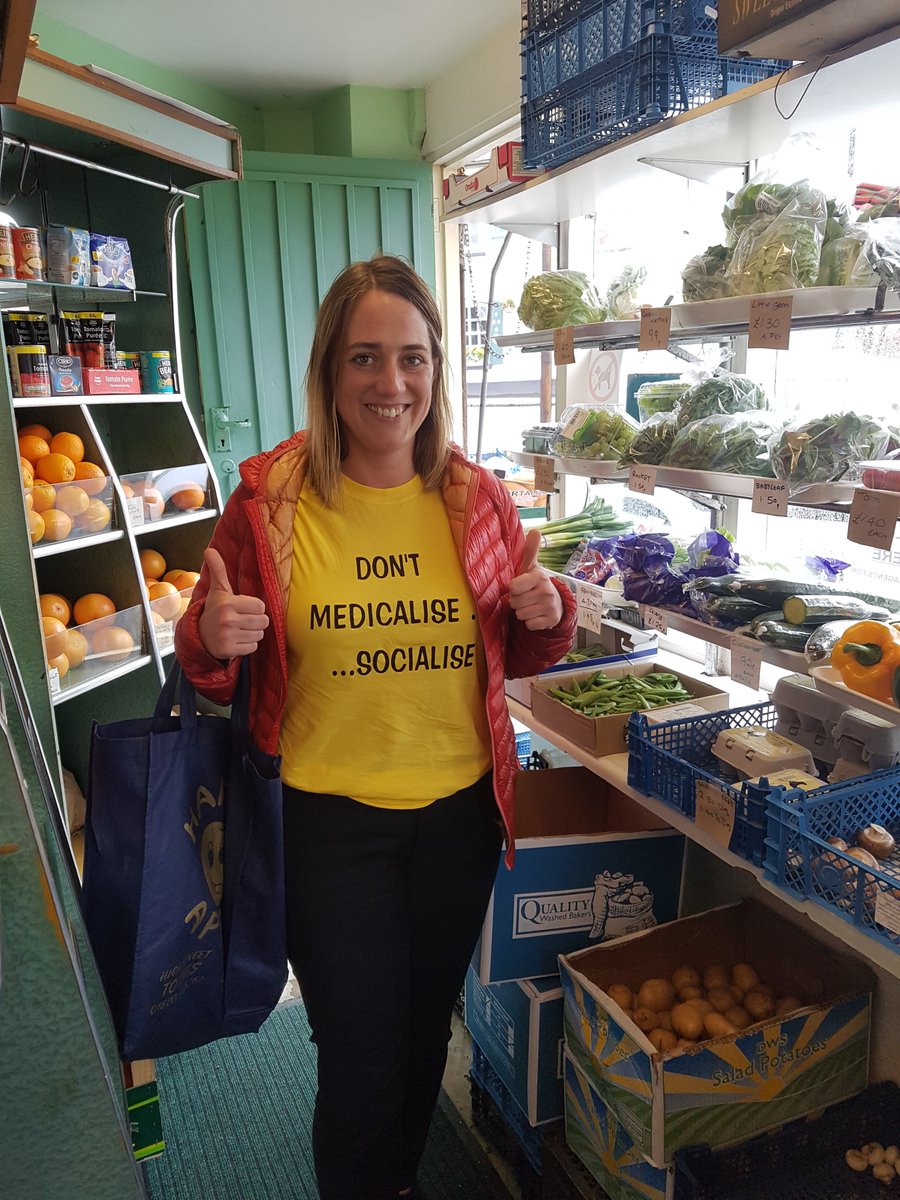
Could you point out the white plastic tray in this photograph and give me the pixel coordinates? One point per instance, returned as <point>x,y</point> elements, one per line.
<point>828,680</point>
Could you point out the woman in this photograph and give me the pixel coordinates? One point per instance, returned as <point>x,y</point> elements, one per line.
<point>384,588</point>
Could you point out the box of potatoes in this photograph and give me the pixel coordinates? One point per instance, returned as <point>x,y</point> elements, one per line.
<point>716,1027</point>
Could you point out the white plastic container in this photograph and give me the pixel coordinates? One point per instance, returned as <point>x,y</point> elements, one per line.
<point>759,751</point>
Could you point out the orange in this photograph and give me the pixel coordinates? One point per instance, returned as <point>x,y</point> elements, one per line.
<point>57,525</point>
<point>36,526</point>
<point>152,563</point>
<point>27,471</point>
<point>113,642</point>
<point>94,606</point>
<point>189,495</point>
<point>185,605</point>
<point>95,517</point>
<point>56,636</point>
<point>55,468</point>
<point>33,447</point>
<point>164,599</point>
<point>61,662</point>
<point>153,503</point>
<point>77,648</point>
<point>127,489</point>
<point>68,444</point>
<point>43,495</point>
<point>91,477</point>
<point>72,500</point>
<point>189,579</point>
<point>40,431</point>
<point>54,605</point>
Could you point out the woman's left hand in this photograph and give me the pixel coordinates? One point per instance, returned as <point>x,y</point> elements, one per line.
<point>532,595</point>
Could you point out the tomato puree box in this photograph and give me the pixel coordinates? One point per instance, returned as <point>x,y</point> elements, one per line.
<point>100,382</point>
<point>731,1088</point>
<point>591,864</point>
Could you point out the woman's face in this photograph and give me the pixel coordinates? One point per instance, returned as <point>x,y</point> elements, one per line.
<point>383,390</point>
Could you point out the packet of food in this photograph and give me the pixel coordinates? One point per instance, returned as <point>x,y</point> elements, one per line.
<point>68,255</point>
<point>26,329</point>
<point>90,336</point>
<point>111,262</point>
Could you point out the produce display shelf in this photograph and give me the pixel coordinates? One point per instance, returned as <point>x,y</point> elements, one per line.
<point>68,401</point>
<point>89,684</point>
<point>592,468</point>
<point>613,769</point>
<point>79,543</point>
<point>18,293</point>
<point>187,518</point>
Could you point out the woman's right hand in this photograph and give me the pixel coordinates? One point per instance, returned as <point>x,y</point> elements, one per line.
<point>230,625</point>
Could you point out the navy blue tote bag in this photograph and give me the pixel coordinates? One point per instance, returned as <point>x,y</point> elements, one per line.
<point>183,893</point>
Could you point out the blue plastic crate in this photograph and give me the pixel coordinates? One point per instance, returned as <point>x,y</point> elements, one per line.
<point>527,1137</point>
<point>799,858</point>
<point>660,76</point>
<point>523,747</point>
<point>625,21</point>
<point>666,760</point>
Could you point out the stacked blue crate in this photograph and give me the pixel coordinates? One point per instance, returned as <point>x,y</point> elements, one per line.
<point>594,73</point>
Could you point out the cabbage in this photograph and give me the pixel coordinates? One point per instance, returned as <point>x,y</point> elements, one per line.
<point>775,256</point>
<point>558,298</point>
<point>704,276</point>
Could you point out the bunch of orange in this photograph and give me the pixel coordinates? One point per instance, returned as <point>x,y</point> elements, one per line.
<point>72,632</point>
<point>169,590</point>
<point>61,489</point>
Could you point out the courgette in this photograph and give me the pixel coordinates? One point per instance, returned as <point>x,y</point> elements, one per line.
<point>821,641</point>
<point>819,609</point>
<point>774,592</point>
<point>733,609</point>
<point>774,632</point>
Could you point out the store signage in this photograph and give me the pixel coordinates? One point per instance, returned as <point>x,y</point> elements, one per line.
<point>873,518</point>
<point>564,346</point>
<point>800,29</point>
<point>590,607</point>
<point>642,479</point>
<point>655,618</point>
<point>655,326</point>
<point>746,662</point>
<point>770,322</point>
<point>770,496</point>
<point>135,508</point>
<point>544,473</point>
<point>714,811</point>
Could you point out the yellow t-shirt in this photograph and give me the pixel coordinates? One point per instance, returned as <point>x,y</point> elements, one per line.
<point>386,677</point>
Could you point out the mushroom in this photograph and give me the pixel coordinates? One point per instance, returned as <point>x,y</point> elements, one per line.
<point>874,1152</point>
<point>883,1171</point>
<point>856,1160</point>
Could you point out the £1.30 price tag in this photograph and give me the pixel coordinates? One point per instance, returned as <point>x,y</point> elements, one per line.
<point>544,473</point>
<point>770,496</point>
<point>564,346</point>
<point>746,662</point>
<point>642,479</point>
<point>655,618</point>
<point>656,324</point>
<point>590,607</point>
<point>714,811</point>
<point>770,322</point>
<point>873,518</point>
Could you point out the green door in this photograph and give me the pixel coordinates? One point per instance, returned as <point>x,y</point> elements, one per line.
<point>262,254</point>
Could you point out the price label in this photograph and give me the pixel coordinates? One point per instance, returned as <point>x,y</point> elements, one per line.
<point>642,479</point>
<point>675,712</point>
<point>770,322</point>
<point>53,681</point>
<point>656,324</point>
<point>873,518</point>
<point>714,811</point>
<point>590,607</point>
<point>564,346</point>
<point>544,473</point>
<point>655,618</point>
<point>770,496</point>
<point>135,506</point>
<point>165,635</point>
<point>887,911</point>
<point>746,661</point>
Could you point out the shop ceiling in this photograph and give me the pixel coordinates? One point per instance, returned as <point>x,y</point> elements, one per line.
<point>275,53</point>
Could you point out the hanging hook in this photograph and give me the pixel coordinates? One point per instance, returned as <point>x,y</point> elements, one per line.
<point>6,200</point>
<point>25,161</point>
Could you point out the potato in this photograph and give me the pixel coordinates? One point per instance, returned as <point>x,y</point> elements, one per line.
<point>721,998</point>
<point>702,1006</point>
<point>716,1025</point>
<point>645,1019</point>
<point>744,976</point>
<point>663,1040</point>
<point>759,1005</point>
<point>738,1016</point>
<point>685,976</point>
<point>715,976</point>
<point>657,994</point>
<point>664,1020</point>
<point>691,991</point>
<point>687,1021</point>
<point>622,995</point>
<point>787,1004</point>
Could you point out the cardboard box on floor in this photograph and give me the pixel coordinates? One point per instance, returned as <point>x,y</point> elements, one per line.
<point>618,646</point>
<point>518,1026</point>
<point>728,1089</point>
<point>591,864</point>
<point>608,735</point>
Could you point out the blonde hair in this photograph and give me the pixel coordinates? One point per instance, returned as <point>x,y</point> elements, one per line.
<point>324,444</point>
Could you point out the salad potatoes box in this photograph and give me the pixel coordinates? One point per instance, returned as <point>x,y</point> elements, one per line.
<point>609,735</point>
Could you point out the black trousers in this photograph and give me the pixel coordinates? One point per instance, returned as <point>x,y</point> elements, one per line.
<point>384,908</point>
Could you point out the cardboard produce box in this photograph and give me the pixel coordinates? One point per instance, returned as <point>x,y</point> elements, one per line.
<point>603,1145</point>
<point>608,735</point>
<point>518,1026</point>
<point>591,864</point>
<point>731,1088</point>
<point>618,647</point>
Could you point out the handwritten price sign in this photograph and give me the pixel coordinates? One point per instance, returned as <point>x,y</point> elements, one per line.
<point>564,346</point>
<point>642,479</point>
<point>873,518</point>
<point>746,662</point>
<point>655,618</point>
<point>770,496</point>
<point>713,811</point>
<point>656,324</point>
<point>770,323</point>
<point>544,474</point>
<point>590,607</point>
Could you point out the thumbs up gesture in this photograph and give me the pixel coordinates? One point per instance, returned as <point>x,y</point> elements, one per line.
<point>532,596</point>
<point>231,625</point>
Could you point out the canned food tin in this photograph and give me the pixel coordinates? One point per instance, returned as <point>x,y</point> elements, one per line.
<point>29,370</point>
<point>156,371</point>
<point>7,257</point>
<point>28,251</point>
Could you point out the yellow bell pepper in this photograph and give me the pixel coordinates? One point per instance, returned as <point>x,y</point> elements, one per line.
<point>867,658</point>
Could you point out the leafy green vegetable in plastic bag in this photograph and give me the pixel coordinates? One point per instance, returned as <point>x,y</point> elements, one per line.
<point>558,298</point>
<point>623,294</point>
<point>721,394</point>
<point>704,276</point>
<point>737,444</point>
<point>874,212</point>
<point>879,257</point>
<point>838,260</point>
<point>826,448</point>
<point>652,441</point>
<point>766,200</point>
<point>837,220</point>
<point>776,255</point>
<point>586,432</point>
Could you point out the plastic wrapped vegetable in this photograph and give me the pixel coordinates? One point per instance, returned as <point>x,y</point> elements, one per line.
<point>879,256</point>
<point>765,200</point>
<point>652,441</point>
<point>704,276</point>
<point>838,261</point>
<point>737,444</point>
<point>586,432</point>
<point>623,294</point>
<point>874,212</point>
<point>777,255</point>
<point>826,448</point>
<point>558,298</point>
<point>721,394</point>
<point>837,219</point>
<point>660,396</point>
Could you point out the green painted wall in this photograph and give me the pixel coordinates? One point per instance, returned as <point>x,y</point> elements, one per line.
<point>289,131</point>
<point>369,122</point>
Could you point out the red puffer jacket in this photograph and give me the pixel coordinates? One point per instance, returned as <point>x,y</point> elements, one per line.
<point>253,536</point>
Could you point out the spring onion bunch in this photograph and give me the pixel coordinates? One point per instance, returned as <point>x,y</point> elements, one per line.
<point>560,537</point>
